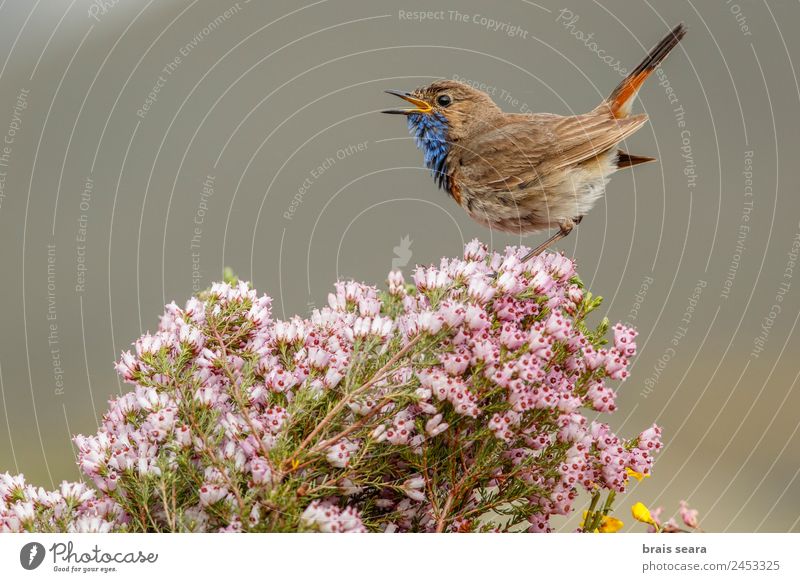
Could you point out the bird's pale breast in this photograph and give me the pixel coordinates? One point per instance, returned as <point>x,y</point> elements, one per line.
<point>532,206</point>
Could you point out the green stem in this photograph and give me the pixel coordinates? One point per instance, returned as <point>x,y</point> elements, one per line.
<point>589,519</point>
<point>598,518</point>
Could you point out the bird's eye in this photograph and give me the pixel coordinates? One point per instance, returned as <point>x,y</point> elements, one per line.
<point>444,100</point>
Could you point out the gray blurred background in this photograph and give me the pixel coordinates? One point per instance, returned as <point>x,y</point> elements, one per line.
<point>147,145</point>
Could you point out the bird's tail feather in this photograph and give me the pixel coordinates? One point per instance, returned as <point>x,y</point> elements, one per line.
<point>620,100</point>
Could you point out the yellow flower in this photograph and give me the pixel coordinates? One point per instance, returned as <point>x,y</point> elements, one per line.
<point>641,513</point>
<point>635,474</point>
<point>610,524</point>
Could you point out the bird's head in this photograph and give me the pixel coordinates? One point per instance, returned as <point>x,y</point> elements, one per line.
<point>457,106</point>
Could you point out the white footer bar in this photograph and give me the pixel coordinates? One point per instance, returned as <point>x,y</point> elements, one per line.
<point>384,558</point>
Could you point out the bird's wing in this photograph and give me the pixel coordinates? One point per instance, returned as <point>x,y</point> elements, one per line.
<point>523,149</point>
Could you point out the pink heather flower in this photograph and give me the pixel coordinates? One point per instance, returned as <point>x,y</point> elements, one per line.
<point>379,433</point>
<point>540,523</point>
<point>560,266</point>
<point>435,426</point>
<point>224,390</point>
<point>377,326</point>
<point>656,515</point>
<point>191,335</point>
<point>332,378</point>
<point>127,366</point>
<point>261,471</point>
<point>196,311</point>
<point>575,294</point>
<point>75,493</point>
<point>452,313</point>
<point>572,427</point>
<point>480,290</point>
<point>288,332</point>
<point>475,251</point>
<point>328,518</point>
<point>512,336</point>
<point>369,306</point>
<point>616,365</point>
<point>430,322</point>
<point>210,493</point>
<point>623,340</point>
<point>147,465</point>
<point>455,363</point>
<point>11,486</point>
<point>689,516</point>
<point>501,425</point>
<point>260,313</point>
<point>508,283</point>
<point>476,318</point>
<point>601,398</point>
<point>318,358</point>
<point>397,284</point>
<point>23,511</point>
<point>414,488</point>
<point>650,440</point>
<point>339,454</point>
<point>430,279</point>
<point>87,524</point>
<point>402,429</point>
<point>541,283</point>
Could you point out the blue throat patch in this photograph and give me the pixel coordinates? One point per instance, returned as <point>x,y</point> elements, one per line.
<point>430,133</point>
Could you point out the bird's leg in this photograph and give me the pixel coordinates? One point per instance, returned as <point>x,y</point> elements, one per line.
<point>565,227</point>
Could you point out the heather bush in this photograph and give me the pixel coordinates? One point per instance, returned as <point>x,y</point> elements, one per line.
<point>458,402</point>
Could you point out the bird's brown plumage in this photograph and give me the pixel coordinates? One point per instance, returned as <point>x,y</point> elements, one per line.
<point>524,173</point>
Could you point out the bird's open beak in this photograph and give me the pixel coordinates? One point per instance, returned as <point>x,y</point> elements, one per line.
<point>420,106</point>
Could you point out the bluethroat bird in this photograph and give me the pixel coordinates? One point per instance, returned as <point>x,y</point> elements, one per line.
<point>524,173</point>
